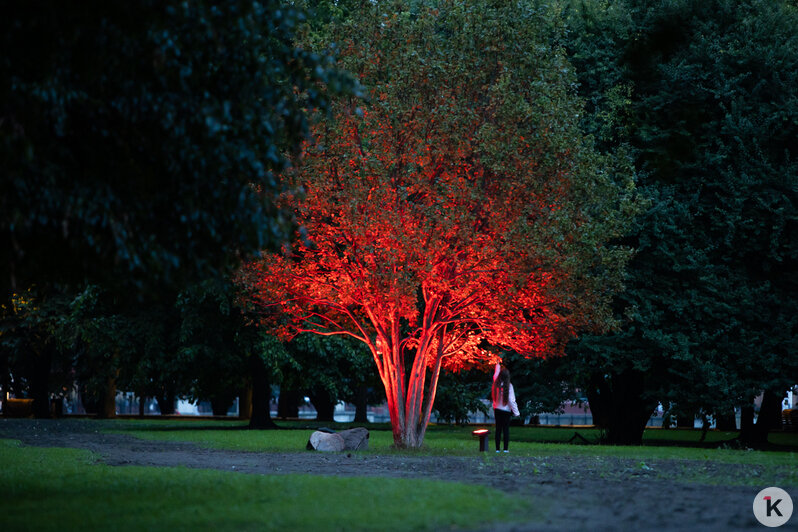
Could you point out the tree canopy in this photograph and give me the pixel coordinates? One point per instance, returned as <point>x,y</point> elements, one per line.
<point>704,93</point>
<point>459,208</point>
<point>140,140</point>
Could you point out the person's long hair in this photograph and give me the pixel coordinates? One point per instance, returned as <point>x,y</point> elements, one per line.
<point>502,386</point>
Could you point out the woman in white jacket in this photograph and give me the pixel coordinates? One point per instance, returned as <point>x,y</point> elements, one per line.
<point>504,404</point>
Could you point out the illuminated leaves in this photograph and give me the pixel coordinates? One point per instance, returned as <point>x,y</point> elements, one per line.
<point>451,213</point>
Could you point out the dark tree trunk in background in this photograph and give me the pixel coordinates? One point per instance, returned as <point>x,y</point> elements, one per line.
<point>770,413</point>
<point>726,420</point>
<point>142,402</point>
<point>704,427</point>
<point>685,421</point>
<point>322,402</point>
<point>618,407</point>
<point>100,401</point>
<point>91,400</point>
<point>746,423</point>
<point>5,373</point>
<point>288,403</point>
<point>362,404</point>
<point>166,402</point>
<point>57,407</point>
<point>221,405</point>
<point>261,393</point>
<point>40,383</point>
<point>769,419</point>
<point>108,402</point>
<point>245,403</point>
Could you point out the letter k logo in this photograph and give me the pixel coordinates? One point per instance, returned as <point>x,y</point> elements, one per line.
<point>773,506</point>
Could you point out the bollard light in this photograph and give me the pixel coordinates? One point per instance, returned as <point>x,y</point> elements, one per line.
<point>482,434</point>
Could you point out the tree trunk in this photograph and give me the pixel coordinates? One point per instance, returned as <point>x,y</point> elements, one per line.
<point>769,413</point>
<point>288,403</point>
<point>166,402</point>
<point>245,403</point>
<point>361,404</point>
<point>142,402</point>
<point>40,383</point>
<point>618,407</point>
<point>90,399</point>
<point>261,417</point>
<point>322,402</point>
<point>108,406</point>
<point>704,427</point>
<point>410,395</point>
<point>769,419</point>
<point>746,423</point>
<point>220,405</point>
<point>598,399</point>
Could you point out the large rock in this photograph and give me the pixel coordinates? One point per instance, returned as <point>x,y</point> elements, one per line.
<point>324,441</point>
<point>356,439</point>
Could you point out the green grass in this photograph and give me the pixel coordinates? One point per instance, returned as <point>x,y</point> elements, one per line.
<point>694,462</point>
<point>452,440</point>
<point>61,489</point>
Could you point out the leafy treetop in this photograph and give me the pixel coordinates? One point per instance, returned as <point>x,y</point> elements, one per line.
<point>139,140</point>
<point>459,208</point>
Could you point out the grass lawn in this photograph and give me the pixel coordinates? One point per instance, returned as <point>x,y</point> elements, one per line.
<point>453,440</point>
<point>695,461</point>
<point>63,489</point>
<point>60,489</point>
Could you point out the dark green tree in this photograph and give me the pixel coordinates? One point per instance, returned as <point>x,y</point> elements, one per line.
<point>329,370</point>
<point>140,145</point>
<point>461,394</point>
<point>119,343</point>
<point>35,358</point>
<point>156,366</point>
<point>704,94</point>
<point>541,385</point>
<point>140,140</point>
<point>211,333</point>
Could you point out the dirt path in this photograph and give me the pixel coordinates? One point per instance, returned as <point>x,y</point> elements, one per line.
<point>590,493</point>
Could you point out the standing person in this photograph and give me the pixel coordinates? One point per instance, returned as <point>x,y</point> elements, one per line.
<point>504,404</point>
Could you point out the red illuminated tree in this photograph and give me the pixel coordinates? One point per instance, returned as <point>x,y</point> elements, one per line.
<point>459,209</point>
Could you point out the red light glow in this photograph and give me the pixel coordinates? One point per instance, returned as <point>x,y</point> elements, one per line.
<point>431,226</point>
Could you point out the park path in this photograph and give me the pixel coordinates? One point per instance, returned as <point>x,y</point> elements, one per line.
<point>583,493</point>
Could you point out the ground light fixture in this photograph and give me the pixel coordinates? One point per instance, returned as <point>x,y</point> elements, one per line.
<point>482,434</point>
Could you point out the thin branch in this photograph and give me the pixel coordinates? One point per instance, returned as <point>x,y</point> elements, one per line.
<point>331,333</point>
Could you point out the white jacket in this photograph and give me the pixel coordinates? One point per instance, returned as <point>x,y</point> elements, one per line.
<point>498,404</point>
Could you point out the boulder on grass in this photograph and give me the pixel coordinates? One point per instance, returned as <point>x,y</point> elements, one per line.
<point>324,441</point>
<point>356,439</point>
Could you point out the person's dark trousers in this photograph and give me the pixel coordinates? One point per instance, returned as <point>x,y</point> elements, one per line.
<point>502,427</point>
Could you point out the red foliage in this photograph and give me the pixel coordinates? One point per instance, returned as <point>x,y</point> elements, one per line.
<point>431,261</point>
<point>431,227</point>
<point>432,248</point>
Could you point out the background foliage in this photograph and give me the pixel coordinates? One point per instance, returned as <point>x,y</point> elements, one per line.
<point>142,145</point>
